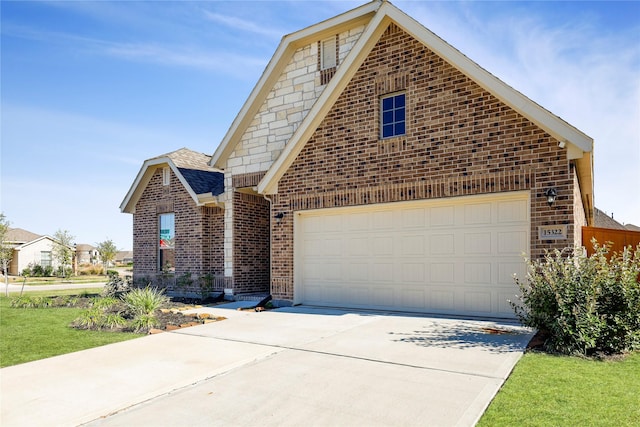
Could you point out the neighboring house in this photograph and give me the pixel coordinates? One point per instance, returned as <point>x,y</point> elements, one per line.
<point>606,230</point>
<point>124,257</point>
<point>30,249</point>
<point>602,220</point>
<point>372,166</point>
<point>87,254</point>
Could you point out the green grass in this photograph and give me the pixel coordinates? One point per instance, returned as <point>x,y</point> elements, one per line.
<point>34,281</point>
<point>546,390</point>
<point>33,334</point>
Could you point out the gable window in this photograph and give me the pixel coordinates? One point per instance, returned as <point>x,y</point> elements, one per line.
<point>166,176</point>
<point>166,242</point>
<point>392,115</point>
<point>328,56</point>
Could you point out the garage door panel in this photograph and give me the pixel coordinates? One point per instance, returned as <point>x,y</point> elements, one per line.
<point>507,269</point>
<point>477,214</point>
<point>412,245</point>
<point>442,300</point>
<point>358,272</point>
<point>442,244</point>
<point>383,246</point>
<point>442,216</point>
<point>442,273</point>
<point>512,211</point>
<point>382,220</point>
<point>447,256</point>
<point>477,302</point>
<point>413,298</point>
<point>358,246</point>
<point>413,218</point>
<point>478,273</point>
<point>413,272</point>
<point>512,242</point>
<point>477,243</point>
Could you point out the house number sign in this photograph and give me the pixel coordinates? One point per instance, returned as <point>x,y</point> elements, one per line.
<point>552,232</point>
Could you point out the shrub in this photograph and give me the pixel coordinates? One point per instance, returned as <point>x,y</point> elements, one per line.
<point>144,301</point>
<point>184,282</point>
<point>116,286</point>
<point>91,270</point>
<point>89,319</point>
<point>144,322</point>
<point>583,304</point>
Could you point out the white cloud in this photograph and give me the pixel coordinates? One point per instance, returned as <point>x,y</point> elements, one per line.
<point>236,23</point>
<point>575,70</point>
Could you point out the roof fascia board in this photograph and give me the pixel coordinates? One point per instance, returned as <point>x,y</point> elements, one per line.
<point>552,124</point>
<point>274,68</point>
<point>143,178</point>
<point>344,73</point>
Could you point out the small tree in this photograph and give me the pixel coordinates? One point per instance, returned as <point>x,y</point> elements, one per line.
<point>107,251</point>
<point>62,251</point>
<point>6,251</point>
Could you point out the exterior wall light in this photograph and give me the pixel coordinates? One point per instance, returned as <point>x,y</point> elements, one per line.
<point>279,216</point>
<point>551,194</point>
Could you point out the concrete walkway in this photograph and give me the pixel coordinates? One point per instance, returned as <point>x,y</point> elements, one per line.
<point>295,366</point>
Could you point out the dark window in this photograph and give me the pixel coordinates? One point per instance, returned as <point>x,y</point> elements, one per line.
<point>392,114</point>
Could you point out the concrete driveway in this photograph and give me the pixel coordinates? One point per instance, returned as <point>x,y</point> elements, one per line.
<point>294,366</point>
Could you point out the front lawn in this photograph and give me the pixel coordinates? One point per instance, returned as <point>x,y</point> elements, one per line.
<point>545,390</point>
<point>28,334</point>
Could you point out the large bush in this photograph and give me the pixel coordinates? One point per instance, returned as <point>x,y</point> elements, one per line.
<point>583,304</point>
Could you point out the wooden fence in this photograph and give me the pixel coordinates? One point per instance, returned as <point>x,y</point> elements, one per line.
<point>619,239</point>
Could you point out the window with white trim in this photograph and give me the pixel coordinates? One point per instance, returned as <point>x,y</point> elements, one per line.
<point>166,176</point>
<point>393,115</point>
<point>328,54</point>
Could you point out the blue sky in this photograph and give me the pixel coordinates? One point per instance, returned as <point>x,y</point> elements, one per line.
<point>90,89</point>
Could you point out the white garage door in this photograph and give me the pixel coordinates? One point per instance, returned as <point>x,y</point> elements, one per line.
<point>453,256</point>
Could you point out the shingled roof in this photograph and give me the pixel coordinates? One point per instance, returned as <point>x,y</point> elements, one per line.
<point>202,181</point>
<point>19,235</point>
<point>602,220</point>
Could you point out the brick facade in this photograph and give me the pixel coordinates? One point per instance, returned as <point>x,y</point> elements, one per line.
<point>460,140</point>
<point>251,250</point>
<point>199,233</point>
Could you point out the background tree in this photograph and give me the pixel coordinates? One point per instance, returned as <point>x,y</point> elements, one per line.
<point>107,251</point>
<point>6,251</point>
<point>62,251</point>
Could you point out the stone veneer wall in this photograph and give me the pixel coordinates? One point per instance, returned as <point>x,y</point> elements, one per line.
<point>460,140</point>
<point>199,231</point>
<point>285,107</point>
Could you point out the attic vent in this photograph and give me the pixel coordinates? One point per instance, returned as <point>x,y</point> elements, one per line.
<point>327,58</point>
<point>391,83</point>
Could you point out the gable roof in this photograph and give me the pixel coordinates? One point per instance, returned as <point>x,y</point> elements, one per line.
<point>202,182</point>
<point>36,240</point>
<point>19,236</point>
<point>275,67</point>
<point>579,145</point>
<point>602,220</point>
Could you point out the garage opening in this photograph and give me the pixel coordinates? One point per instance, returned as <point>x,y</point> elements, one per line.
<point>447,256</point>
